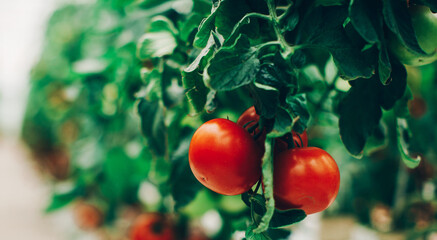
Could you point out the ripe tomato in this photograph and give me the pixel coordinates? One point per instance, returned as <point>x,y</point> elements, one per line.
<point>224,157</point>
<point>151,226</point>
<point>87,216</point>
<point>250,117</point>
<point>305,178</point>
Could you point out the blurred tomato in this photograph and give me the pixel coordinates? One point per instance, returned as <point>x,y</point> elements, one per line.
<point>87,216</point>
<point>152,226</point>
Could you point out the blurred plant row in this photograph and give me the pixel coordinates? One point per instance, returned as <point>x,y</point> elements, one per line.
<point>109,126</point>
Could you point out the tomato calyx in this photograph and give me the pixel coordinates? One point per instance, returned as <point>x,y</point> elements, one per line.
<point>254,130</point>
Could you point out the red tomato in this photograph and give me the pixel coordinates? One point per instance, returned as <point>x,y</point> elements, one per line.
<point>247,116</point>
<point>87,216</point>
<point>250,117</point>
<point>224,157</point>
<point>305,178</point>
<point>151,226</point>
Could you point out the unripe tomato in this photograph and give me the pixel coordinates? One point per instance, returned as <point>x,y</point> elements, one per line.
<point>305,178</point>
<point>249,118</point>
<point>87,216</point>
<point>224,157</point>
<point>151,226</point>
<point>425,27</point>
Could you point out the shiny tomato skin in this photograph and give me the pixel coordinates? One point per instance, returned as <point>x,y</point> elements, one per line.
<point>224,157</point>
<point>151,226</point>
<point>305,178</point>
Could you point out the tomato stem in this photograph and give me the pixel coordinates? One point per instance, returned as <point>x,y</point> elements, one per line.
<point>286,48</point>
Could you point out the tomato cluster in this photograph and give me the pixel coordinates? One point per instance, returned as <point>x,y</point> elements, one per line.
<point>225,157</point>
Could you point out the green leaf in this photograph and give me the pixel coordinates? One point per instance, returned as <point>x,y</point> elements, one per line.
<point>152,125</point>
<point>267,173</point>
<point>203,56</point>
<point>283,123</point>
<point>366,17</point>
<point>184,186</point>
<point>196,91</point>
<point>117,169</point>
<point>286,218</point>
<point>211,101</point>
<point>266,99</point>
<point>298,107</point>
<point>384,66</point>
<point>159,41</point>
<point>257,200</point>
<point>205,29</point>
<point>189,26</point>
<point>323,28</point>
<point>155,45</point>
<point>152,80</point>
<point>229,13</point>
<point>192,78</point>
<point>60,200</point>
<point>403,136</point>
<point>398,20</point>
<point>279,233</point>
<point>396,88</point>
<point>161,23</point>
<point>277,73</point>
<point>378,140</point>
<point>280,218</point>
<point>252,235</point>
<point>359,115</point>
<point>233,66</point>
<point>290,19</point>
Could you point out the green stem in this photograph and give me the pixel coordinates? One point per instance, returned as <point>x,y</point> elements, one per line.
<point>287,50</point>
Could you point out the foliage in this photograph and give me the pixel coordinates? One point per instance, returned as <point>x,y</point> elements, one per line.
<point>122,85</point>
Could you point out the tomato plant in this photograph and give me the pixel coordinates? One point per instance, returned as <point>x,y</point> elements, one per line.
<point>222,148</point>
<point>305,178</point>
<point>329,67</point>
